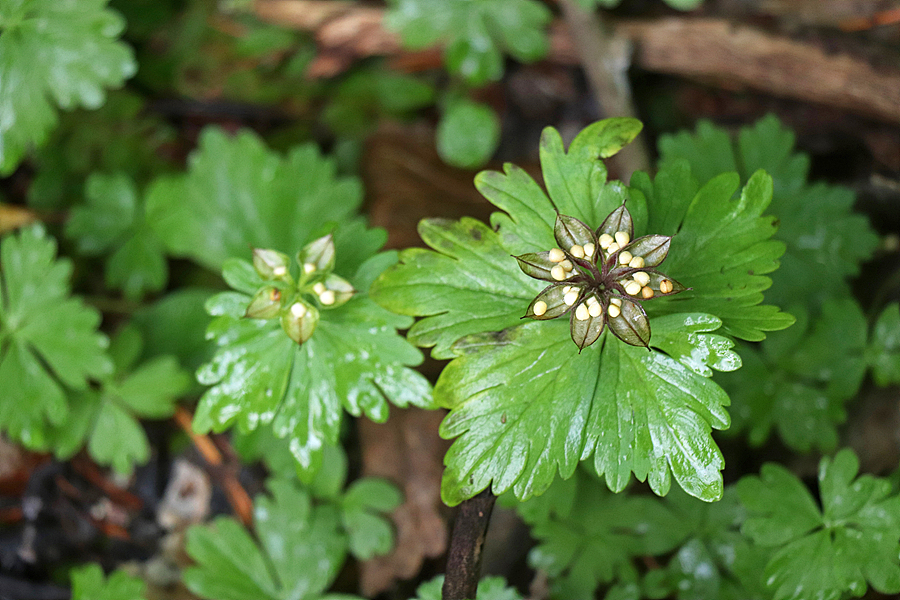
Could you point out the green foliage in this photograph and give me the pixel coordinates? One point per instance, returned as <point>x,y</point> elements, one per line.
<point>369,533</point>
<point>593,538</point>
<point>81,145</point>
<point>829,551</point>
<point>238,195</point>
<point>474,33</point>
<point>106,415</point>
<point>112,223</point>
<point>468,134</point>
<point>366,94</point>
<point>883,353</point>
<point>796,382</point>
<point>88,583</point>
<point>489,588</point>
<point>300,550</point>
<point>48,339</point>
<point>519,419</point>
<point>54,54</point>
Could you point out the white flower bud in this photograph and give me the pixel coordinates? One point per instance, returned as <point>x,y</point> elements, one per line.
<point>595,310</point>
<point>571,297</point>
<point>327,297</point>
<point>642,278</point>
<point>308,268</point>
<point>319,288</point>
<point>558,273</point>
<point>581,313</point>
<point>556,255</point>
<point>298,310</point>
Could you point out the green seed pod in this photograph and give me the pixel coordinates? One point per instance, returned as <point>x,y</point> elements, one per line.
<point>270,264</point>
<point>266,303</point>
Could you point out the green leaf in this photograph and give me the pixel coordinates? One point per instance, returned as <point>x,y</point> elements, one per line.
<point>370,533</point>
<point>107,418</point>
<point>475,33</point>
<point>489,588</point>
<point>54,54</point>
<point>637,411</point>
<point>468,134</point>
<point>825,241</point>
<point>48,339</point>
<point>684,4</point>
<point>80,145</point>
<point>238,195</point>
<point>112,223</point>
<point>470,285</point>
<point>831,552</point>
<point>300,551</point>
<point>354,361</point>
<point>597,540</point>
<point>883,351</point>
<point>722,250</point>
<point>798,381</point>
<point>88,583</point>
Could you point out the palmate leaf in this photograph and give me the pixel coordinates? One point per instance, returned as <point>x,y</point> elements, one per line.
<point>107,417</point>
<point>830,552</point>
<point>475,32</point>
<point>112,222</point>
<point>54,54</point>
<point>524,404</point>
<point>88,583</point>
<point>797,382</point>
<point>597,539</point>
<point>489,588</point>
<point>238,195</point>
<point>355,361</point>
<point>48,339</point>
<point>300,551</point>
<point>825,241</point>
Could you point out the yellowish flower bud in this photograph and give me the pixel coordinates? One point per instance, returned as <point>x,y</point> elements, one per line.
<point>582,313</point>
<point>605,240</point>
<point>616,301</point>
<point>612,248</point>
<point>625,257</point>
<point>577,251</point>
<point>637,262</point>
<point>298,310</point>
<point>595,310</point>
<point>319,288</point>
<point>642,278</point>
<point>665,286</point>
<point>589,250</point>
<point>558,273</point>
<point>308,268</point>
<point>614,311</point>
<point>647,293</point>
<point>622,238</point>
<point>557,255</point>
<point>327,297</point>
<point>539,308</point>
<point>571,297</point>
<point>567,265</point>
<point>632,288</point>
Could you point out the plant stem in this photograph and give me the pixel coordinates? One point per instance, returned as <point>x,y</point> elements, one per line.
<point>466,543</point>
<point>605,61</point>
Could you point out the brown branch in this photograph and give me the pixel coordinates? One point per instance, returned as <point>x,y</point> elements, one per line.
<point>466,544</point>
<point>713,50</point>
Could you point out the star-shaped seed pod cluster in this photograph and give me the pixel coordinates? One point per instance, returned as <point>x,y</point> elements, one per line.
<point>297,302</point>
<point>600,278</point>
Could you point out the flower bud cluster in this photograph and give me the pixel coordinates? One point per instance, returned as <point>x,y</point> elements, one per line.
<point>600,278</point>
<point>297,302</point>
